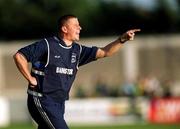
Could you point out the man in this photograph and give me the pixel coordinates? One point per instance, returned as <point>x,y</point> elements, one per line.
<point>55,62</point>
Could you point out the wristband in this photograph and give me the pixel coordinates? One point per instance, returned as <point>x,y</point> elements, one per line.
<point>121,41</point>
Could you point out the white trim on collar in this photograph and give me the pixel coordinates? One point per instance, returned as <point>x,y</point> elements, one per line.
<point>65,47</point>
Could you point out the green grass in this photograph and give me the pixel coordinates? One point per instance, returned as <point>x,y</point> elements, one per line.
<point>136,126</point>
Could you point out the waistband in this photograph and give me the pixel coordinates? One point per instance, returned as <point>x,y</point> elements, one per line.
<point>38,72</point>
<point>34,93</point>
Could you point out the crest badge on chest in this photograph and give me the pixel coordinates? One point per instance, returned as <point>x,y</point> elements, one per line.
<point>73,57</point>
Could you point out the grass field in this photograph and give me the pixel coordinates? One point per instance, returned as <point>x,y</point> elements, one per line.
<point>136,126</point>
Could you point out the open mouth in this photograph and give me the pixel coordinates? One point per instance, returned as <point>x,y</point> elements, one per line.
<point>77,33</point>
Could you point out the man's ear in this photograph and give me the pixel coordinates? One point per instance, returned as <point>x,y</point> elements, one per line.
<point>64,29</point>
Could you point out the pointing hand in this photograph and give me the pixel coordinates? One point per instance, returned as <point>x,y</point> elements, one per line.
<point>129,35</point>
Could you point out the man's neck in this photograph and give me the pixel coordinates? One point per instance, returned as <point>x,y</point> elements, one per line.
<point>66,40</point>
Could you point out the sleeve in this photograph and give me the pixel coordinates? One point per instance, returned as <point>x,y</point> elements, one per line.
<point>87,55</point>
<point>35,51</point>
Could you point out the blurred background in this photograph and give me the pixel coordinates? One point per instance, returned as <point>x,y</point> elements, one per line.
<point>140,84</point>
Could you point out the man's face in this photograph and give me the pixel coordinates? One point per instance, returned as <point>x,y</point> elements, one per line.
<point>72,29</point>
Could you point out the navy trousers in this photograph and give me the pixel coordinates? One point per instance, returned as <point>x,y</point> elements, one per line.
<point>47,113</point>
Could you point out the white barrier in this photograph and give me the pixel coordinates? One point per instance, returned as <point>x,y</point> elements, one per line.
<point>4,112</point>
<point>87,111</point>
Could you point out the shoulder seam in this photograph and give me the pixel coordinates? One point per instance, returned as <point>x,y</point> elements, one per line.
<point>47,62</point>
<point>80,50</point>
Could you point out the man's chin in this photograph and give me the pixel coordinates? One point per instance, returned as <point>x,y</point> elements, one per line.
<point>77,39</point>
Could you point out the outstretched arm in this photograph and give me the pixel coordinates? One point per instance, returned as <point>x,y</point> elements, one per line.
<point>22,65</point>
<point>114,46</point>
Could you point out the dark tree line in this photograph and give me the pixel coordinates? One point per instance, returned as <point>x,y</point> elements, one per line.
<point>27,19</point>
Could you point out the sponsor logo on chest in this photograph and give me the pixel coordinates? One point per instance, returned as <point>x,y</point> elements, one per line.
<point>64,71</point>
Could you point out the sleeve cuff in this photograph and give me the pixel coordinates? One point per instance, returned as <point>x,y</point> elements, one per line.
<point>23,54</point>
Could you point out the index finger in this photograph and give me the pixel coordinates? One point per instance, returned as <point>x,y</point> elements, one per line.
<point>136,30</point>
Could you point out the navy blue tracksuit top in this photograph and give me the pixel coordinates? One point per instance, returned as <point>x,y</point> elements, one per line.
<point>55,65</point>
